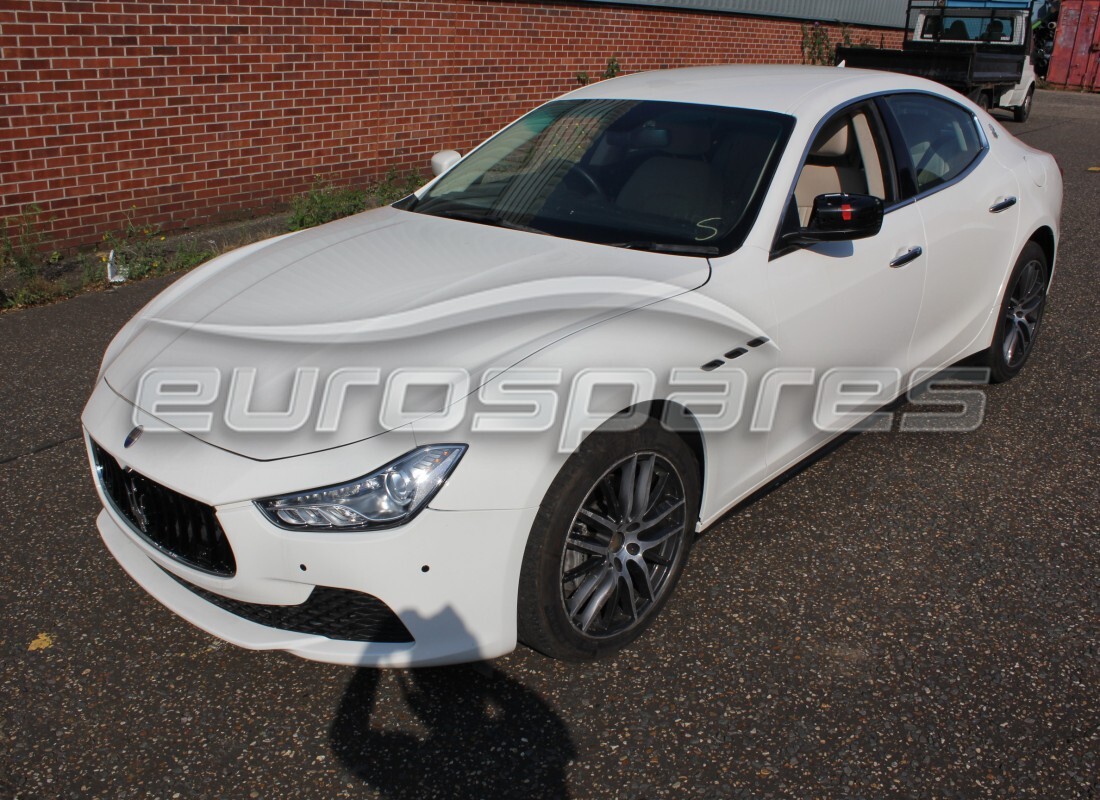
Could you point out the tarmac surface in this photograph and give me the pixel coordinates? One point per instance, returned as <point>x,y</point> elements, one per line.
<point>914,615</point>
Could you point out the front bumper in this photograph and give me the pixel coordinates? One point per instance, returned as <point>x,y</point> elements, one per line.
<point>462,609</point>
<point>451,577</point>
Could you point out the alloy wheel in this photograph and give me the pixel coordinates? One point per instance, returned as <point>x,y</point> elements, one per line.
<point>1022,313</point>
<point>623,545</point>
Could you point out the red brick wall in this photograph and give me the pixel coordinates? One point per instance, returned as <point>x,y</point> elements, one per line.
<point>181,113</point>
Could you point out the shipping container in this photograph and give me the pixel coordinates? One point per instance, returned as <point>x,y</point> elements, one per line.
<point>1076,58</point>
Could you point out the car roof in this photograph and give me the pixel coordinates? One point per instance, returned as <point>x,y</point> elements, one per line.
<point>795,90</point>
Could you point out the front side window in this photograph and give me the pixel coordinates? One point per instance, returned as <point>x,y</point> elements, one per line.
<point>673,177</point>
<point>940,138</point>
<point>847,156</point>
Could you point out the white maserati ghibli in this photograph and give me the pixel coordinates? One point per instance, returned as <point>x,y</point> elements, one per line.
<point>501,409</point>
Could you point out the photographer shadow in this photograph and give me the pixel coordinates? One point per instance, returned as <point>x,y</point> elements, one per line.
<point>486,735</point>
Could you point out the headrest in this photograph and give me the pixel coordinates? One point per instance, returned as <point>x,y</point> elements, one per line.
<point>832,142</point>
<point>648,138</point>
<point>957,30</point>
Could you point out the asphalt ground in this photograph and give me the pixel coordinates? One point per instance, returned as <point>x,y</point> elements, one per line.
<point>911,616</point>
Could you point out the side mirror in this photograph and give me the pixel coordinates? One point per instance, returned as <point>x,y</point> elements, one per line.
<point>444,160</point>
<point>839,218</point>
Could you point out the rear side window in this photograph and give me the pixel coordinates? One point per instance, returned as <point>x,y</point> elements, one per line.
<point>940,137</point>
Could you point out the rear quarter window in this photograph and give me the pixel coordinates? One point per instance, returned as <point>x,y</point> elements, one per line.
<point>941,138</point>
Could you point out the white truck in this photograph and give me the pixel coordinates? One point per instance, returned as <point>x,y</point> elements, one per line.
<point>980,48</point>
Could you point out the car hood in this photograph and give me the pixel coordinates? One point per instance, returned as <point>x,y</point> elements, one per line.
<point>388,290</point>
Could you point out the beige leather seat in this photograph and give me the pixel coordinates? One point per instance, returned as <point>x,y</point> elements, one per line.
<point>677,183</point>
<point>834,165</point>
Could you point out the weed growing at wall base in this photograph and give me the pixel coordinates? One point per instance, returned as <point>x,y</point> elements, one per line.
<point>140,251</point>
<point>394,186</point>
<point>136,251</point>
<point>33,278</point>
<point>21,252</point>
<point>326,202</point>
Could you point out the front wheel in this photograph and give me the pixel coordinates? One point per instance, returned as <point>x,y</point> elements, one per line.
<point>1023,111</point>
<point>609,543</point>
<point>1020,314</point>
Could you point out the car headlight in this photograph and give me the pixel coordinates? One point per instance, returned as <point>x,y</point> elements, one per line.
<point>386,497</point>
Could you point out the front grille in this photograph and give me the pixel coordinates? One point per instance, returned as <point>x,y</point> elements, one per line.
<point>333,613</point>
<point>183,528</point>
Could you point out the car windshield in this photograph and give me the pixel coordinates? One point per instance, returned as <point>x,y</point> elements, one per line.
<point>668,177</point>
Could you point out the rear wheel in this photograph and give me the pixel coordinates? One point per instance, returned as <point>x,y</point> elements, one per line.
<point>1020,315</point>
<point>609,543</point>
<point>981,98</point>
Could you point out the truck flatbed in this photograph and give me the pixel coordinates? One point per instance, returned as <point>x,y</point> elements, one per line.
<point>961,68</point>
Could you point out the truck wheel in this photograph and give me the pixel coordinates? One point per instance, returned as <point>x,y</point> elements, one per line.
<point>1023,111</point>
<point>980,98</point>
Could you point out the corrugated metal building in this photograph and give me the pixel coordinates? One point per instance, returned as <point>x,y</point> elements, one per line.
<point>877,13</point>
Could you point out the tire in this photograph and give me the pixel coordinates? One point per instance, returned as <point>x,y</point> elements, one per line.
<point>595,572</point>
<point>1019,315</point>
<point>980,98</point>
<point>1022,112</point>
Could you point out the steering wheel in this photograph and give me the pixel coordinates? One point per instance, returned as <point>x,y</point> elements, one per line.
<point>586,178</point>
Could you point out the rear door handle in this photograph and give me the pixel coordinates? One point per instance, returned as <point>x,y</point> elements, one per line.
<point>910,255</point>
<point>1001,205</point>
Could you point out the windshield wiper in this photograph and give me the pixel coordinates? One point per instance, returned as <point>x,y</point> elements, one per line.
<point>661,247</point>
<point>485,218</point>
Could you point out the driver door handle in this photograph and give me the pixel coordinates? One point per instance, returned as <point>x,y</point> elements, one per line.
<point>1002,204</point>
<point>912,254</point>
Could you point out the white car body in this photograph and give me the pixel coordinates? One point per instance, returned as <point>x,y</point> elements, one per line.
<point>451,574</point>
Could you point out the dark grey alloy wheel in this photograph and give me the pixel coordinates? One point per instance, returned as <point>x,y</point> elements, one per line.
<point>622,545</point>
<point>609,542</point>
<point>1021,314</point>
